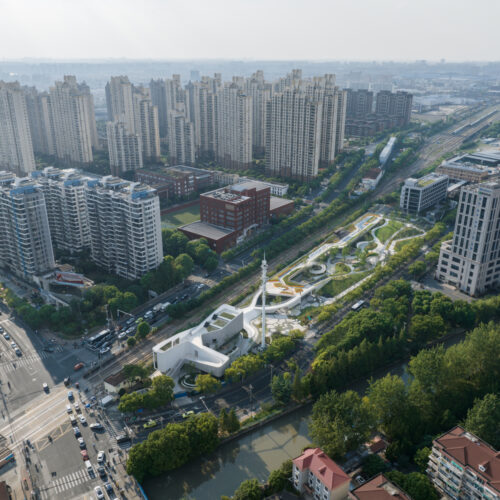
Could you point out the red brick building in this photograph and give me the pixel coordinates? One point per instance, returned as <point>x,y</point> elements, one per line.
<point>176,182</point>
<point>239,207</point>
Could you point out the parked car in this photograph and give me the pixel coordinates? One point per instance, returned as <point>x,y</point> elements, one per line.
<point>109,489</point>
<point>98,492</point>
<point>77,432</point>
<point>101,456</point>
<point>6,335</point>
<point>77,406</point>
<point>78,366</point>
<point>84,454</point>
<point>82,419</point>
<point>45,387</point>
<point>104,350</point>
<point>149,424</point>
<point>122,335</point>
<point>72,419</point>
<point>96,426</point>
<point>81,442</point>
<point>70,395</point>
<point>69,409</point>
<point>102,471</point>
<point>18,351</point>
<point>66,381</point>
<point>122,438</point>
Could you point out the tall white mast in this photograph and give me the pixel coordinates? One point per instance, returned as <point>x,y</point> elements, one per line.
<point>264,281</point>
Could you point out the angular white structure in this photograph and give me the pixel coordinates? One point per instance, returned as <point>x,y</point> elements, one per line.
<point>199,345</point>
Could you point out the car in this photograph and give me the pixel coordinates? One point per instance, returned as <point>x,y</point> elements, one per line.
<point>45,387</point>
<point>13,345</point>
<point>130,331</point>
<point>96,426</point>
<point>130,321</point>
<point>122,438</point>
<point>84,454</point>
<point>72,419</point>
<point>101,456</point>
<point>18,351</point>
<point>82,419</point>
<point>98,492</point>
<point>104,350</point>
<point>187,414</point>
<point>1,329</point>
<point>360,479</point>
<point>78,366</point>
<point>69,409</point>
<point>149,424</point>
<point>6,336</point>
<point>77,432</point>
<point>122,335</point>
<point>81,442</point>
<point>70,395</point>
<point>109,489</point>
<point>48,348</point>
<point>77,406</point>
<point>102,471</point>
<point>66,381</point>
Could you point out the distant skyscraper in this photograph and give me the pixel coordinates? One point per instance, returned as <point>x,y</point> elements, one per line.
<point>25,240</point>
<point>40,120</point>
<point>16,148</point>
<point>293,135</point>
<point>234,131</point>
<point>125,153</point>
<point>146,124</point>
<point>158,91</point>
<point>194,75</point>
<point>119,101</point>
<point>260,93</point>
<point>180,139</point>
<point>72,108</point>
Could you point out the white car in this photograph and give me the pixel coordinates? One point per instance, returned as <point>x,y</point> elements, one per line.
<point>98,492</point>
<point>77,406</point>
<point>82,419</point>
<point>104,350</point>
<point>13,345</point>
<point>6,335</point>
<point>81,442</point>
<point>100,457</point>
<point>69,409</point>
<point>122,335</point>
<point>45,387</point>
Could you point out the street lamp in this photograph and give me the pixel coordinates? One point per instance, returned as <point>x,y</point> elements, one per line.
<point>202,399</point>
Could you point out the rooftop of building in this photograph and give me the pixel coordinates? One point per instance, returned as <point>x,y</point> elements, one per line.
<point>224,194</point>
<point>116,379</point>
<point>379,488</point>
<point>205,230</point>
<point>472,452</point>
<point>425,181</point>
<point>275,202</point>
<point>322,466</point>
<point>465,166</point>
<point>373,173</point>
<point>247,185</point>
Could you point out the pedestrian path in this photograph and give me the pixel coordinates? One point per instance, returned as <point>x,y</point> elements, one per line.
<point>26,360</point>
<point>65,483</point>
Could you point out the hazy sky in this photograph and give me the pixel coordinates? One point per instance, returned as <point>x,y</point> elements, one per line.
<point>251,29</point>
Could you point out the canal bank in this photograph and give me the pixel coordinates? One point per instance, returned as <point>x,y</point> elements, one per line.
<point>255,454</point>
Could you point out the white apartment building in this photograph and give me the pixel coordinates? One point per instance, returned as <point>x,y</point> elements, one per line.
<point>125,226</point>
<point>293,135</point>
<point>260,91</point>
<point>125,153</point>
<point>180,139</point>
<point>72,110</point>
<point>146,123</point>
<point>234,126</point>
<point>16,148</point>
<point>25,240</point>
<point>471,260</point>
<point>120,103</point>
<point>317,475</point>
<point>66,205</point>
<point>418,195</point>
<point>40,120</point>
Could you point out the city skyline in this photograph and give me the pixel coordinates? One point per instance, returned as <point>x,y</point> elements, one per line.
<point>401,31</point>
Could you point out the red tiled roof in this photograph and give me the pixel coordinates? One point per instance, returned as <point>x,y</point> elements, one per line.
<point>471,451</point>
<point>323,467</point>
<point>378,488</point>
<point>378,444</point>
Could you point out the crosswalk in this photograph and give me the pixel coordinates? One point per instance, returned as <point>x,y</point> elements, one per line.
<point>26,360</point>
<point>65,483</point>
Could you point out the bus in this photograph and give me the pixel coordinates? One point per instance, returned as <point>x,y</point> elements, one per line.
<point>358,305</point>
<point>98,339</point>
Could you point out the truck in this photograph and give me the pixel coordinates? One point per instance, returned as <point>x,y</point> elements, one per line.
<point>157,308</point>
<point>164,306</point>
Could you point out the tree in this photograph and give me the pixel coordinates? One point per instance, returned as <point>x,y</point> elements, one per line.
<point>211,263</point>
<point>184,265</point>
<point>415,484</point>
<point>233,422</point>
<point>421,458</point>
<point>428,327</point>
<point>373,465</point>
<point>224,420</point>
<point>162,391</point>
<point>174,242</point>
<point>417,269</point>
<point>207,384</point>
<point>133,372</point>
<point>340,422</point>
<point>389,402</point>
<point>297,388</point>
<point>249,490</point>
<point>483,419</point>
<point>143,328</point>
<point>279,479</point>
<point>131,341</point>
<point>281,388</point>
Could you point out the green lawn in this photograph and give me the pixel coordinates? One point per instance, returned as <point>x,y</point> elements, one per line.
<point>181,217</point>
<point>341,268</point>
<point>384,233</point>
<point>336,286</point>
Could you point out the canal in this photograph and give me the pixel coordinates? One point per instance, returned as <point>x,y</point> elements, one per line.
<point>252,456</point>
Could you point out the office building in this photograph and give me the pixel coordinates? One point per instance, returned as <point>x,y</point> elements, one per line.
<point>317,475</point>
<point>65,201</point>
<point>378,488</point>
<point>16,148</point>
<point>181,147</point>
<point>72,117</point>
<point>234,128</point>
<point>125,153</point>
<point>125,226</point>
<point>470,167</point>
<point>418,195</point>
<point>462,466</point>
<point>471,260</point>
<point>25,240</point>
<point>293,135</point>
